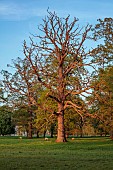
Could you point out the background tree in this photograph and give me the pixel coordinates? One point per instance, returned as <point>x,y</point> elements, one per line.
<point>104,32</point>
<point>21,87</point>
<point>75,118</point>
<point>45,118</point>
<point>60,61</point>
<point>22,120</point>
<point>6,121</point>
<point>102,100</point>
<point>3,98</point>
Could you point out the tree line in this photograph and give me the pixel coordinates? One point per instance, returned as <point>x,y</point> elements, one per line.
<point>64,83</point>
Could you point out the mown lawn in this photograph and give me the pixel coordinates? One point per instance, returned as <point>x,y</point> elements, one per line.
<point>37,154</point>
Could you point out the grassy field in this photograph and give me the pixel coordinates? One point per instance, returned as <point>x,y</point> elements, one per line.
<point>37,154</point>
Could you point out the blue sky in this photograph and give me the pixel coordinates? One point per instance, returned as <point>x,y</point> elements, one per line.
<point>19,18</point>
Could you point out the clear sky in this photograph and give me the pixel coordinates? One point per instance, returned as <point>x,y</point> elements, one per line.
<point>19,18</point>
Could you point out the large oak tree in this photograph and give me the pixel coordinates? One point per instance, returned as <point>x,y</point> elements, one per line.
<point>60,60</point>
<point>62,63</point>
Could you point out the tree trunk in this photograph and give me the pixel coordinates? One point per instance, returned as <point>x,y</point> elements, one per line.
<point>81,132</point>
<point>30,123</point>
<point>44,133</point>
<point>37,133</point>
<point>111,134</point>
<point>51,133</point>
<point>30,130</point>
<point>81,127</point>
<point>61,130</point>
<point>52,130</point>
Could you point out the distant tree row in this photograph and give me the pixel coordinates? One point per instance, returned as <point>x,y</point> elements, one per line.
<point>64,83</point>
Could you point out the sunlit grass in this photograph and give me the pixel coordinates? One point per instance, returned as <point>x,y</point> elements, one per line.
<point>37,154</point>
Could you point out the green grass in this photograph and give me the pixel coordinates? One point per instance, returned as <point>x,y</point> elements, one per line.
<point>37,154</point>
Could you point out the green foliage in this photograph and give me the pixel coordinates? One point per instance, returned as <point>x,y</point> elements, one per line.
<point>45,119</point>
<point>3,99</point>
<point>21,118</point>
<point>6,124</point>
<point>104,31</point>
<point>102,100</point>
